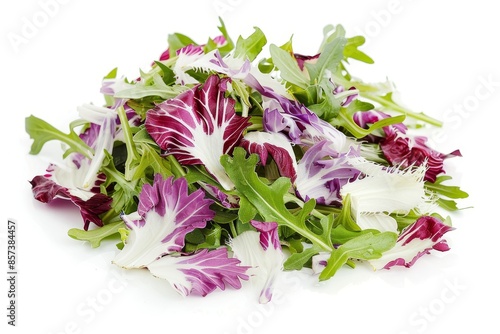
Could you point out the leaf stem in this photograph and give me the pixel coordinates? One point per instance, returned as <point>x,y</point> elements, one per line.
<point>294,199</point>
<point>418,116</point>
<point>233,229</point>
<point>132,155</point>
<point>176,166</point>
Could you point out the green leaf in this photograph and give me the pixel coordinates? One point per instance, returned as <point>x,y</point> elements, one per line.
<point>269,199</point>
<point>266,65</point>
<point>328,108</point>
<point>444,190</point>
<point>251,46</point>
<point>142,105</point>
<point>242,92</point>
<point>95,237</point>
<point>195,237</point>
<point>112,74</point>
<point>351,50</point>
<point>156,88</point>
<point>247,211</point>
<point>199,174</point>
<point>367,246</point>
<point>204,238</point>
<point>297,261</point>
<point>224,216</point>
<point>387,103</point>
<point>330,32</point>
<point>329,60</point>
<point>168,73</point>
<point>289,69</point>
<point>341,235</point>
<point>150,158</point>
<point>446,193</point>
<point>123,191</point>
<point>345,119</point>
<point>344,218</point>
<point>295,245</point>
<point>42,132</point>
<point>133,157</point>
<point>229,46</point>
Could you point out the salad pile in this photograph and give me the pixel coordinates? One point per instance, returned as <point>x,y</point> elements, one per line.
<point>219,165</point>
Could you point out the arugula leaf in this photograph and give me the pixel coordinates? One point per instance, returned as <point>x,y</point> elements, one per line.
<point>251,46</point>
<point>345,119</point>
<point>229,46</point>
<point>449,192</point>
<point>387,102</point>
<point>95,237</point>
<point>329,60</point>
<point>367,246</point>
<point>142,105</point>
<point>269,200</point>
<point>344,218</point>
<point>328,108</point>
<point>42,132</point>
<point>110,100</point>
<point>168,73</point>
<point>133,157</point>
<point>341,235</point>
<point>123,191</point>
<point>297,261</point>
<point>156,88</point>
<point>150,158</point>
<point>209,237</point>
<point>289,69</point>
<point>444,190</point>
<point>247,211</point>
<point>351,50</point>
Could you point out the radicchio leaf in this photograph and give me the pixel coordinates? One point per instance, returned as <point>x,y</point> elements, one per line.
<point>260,250</point>
<point>166,213</point>
<point>300,124</point>
<point>402,149</point>
<point>198,127</point>
<point>277,146</point>
<point>418,239</point>
<point>201,272</point>
<point>60,183</point>
<point>322,172</point>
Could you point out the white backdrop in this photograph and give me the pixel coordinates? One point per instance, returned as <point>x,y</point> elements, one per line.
<point>444,61</point>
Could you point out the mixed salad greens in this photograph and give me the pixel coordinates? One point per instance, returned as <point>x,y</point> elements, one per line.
<point>219,165</point>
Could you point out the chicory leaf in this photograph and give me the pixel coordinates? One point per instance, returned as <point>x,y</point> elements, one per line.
<point>200,273</point>
<point>198,127</point>
<point>165,214</point>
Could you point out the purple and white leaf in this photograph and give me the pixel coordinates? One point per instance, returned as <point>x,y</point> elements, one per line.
<point>201,272</point>
<point>322,172</point>
<point>239,69</point>
<point>300,124</point>
<point>198,127</point>
<point>418,239</point>
<point>260,250</point>
<point>185,57</point>
<point>63,183</point>
<point>166,213</point>
<point>402,149</point>
<point>272,144</point>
